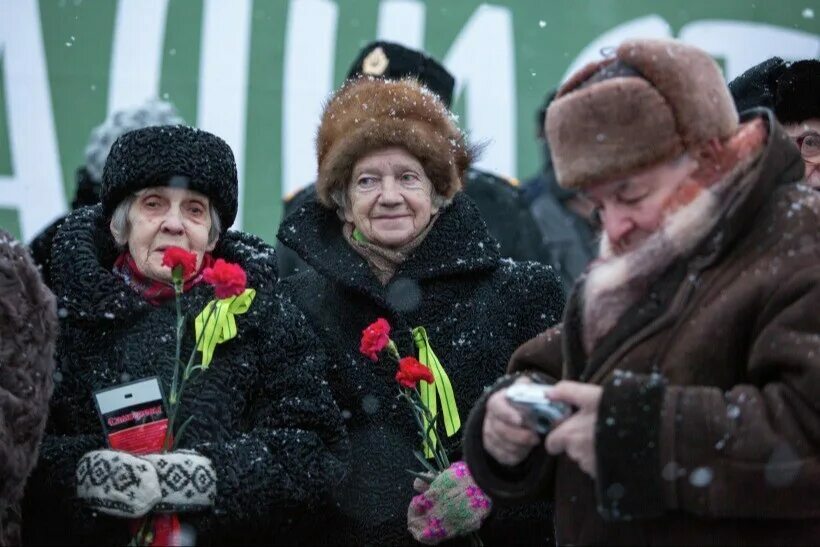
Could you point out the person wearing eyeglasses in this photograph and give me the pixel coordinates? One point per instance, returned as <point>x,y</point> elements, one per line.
<point>792,91</point>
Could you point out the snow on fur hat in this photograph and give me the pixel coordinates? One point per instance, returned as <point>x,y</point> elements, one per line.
<point>369,114</point>
<point>661,98</point>
<point>153,112</point>
<point>172,155</point>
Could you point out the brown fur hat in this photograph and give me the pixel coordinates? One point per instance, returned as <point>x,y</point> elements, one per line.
<point>661,98</point>
<point>368,114</point>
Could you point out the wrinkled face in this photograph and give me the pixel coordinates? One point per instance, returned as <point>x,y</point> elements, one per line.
<point>632,209</point>
<point>806,135</point>
<point>389,197</point>
<point>162,217</point>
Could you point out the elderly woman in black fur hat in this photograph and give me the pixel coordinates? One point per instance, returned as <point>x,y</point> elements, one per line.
<point>264,446</point>
<point>391,235</point>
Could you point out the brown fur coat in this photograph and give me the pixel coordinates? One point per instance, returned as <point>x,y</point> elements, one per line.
<point>28,328</point>
<point>708,429</point>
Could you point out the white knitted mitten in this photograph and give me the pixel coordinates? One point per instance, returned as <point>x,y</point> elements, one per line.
<point>187,481</point>
<point>117,483</point>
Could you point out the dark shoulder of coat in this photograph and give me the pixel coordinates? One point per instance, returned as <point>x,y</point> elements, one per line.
<point>288,261</point>
<point>567,241</point>
<point>502,206</point>
<point>40,248</point>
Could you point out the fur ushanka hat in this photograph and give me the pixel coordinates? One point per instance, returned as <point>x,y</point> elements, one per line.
<point>172,155</point>
<point>368,114</point>
<point>649,103</point>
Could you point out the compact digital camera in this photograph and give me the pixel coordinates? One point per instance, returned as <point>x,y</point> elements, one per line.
<point>540,413</point>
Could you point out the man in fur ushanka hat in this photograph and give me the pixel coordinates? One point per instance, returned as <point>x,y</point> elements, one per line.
<point>690,349</point>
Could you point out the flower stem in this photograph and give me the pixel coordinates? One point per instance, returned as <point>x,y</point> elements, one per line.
<point>177,276</point>
<point>144,534</point>
<point>174,397</point>
<point>439,449</point>
<point>178,387</point>
<point>419,410</point>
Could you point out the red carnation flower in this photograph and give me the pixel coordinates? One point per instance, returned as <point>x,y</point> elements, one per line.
<point>227,279</point>
<point>177,257</point>
<point>375,338</point>
<point>411,372</point>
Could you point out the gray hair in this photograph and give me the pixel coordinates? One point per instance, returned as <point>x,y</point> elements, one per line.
<point>121,227</point>
<point>342,201</point>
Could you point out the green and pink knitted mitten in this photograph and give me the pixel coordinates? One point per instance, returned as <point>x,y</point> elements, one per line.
<point>453,505</point>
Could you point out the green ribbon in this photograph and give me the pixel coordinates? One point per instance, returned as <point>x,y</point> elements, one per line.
<point>441,386</point>
<point>217,322</point>
<point>359,236</point>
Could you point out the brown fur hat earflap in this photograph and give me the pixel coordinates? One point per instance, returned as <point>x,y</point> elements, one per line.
<point>369,114</point>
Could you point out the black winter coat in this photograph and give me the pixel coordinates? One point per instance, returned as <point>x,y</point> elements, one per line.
<point>476,308</point>
<point>263,411</point>
<point>567,240</point>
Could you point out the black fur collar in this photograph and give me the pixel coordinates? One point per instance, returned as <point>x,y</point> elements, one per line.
<point>458,243</point>
<point>87,289</point>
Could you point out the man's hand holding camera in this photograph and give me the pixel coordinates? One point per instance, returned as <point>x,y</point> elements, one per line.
<point>510,432</point>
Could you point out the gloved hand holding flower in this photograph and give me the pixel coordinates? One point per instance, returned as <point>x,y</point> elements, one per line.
<point>187,481</point>
<point>451,506</point>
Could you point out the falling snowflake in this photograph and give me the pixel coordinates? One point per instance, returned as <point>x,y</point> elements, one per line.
<point>701,477</point>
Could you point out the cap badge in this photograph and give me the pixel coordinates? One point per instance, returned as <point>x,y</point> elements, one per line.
<point>375,63</point>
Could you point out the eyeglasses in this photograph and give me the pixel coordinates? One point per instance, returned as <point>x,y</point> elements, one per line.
<point>809,145</point>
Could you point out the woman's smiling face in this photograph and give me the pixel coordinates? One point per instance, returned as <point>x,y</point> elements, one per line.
<point>390,197</point>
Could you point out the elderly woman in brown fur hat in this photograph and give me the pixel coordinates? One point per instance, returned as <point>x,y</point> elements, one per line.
<point>392,236</point>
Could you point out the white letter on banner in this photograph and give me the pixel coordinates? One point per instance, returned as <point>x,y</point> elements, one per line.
<point>310,48</point>
<point>36,187</point>
<point>744,44</point>
<point>136,56</point>
<point>482,60</point>
<point>402,22</point>
<point>223,78</point>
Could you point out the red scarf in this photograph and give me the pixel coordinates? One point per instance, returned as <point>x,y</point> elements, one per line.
<point>155,292</point>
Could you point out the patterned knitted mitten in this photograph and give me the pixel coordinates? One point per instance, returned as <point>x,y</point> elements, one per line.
<point>117,483</point>
<point>452,506</point>
<point>187,480</point>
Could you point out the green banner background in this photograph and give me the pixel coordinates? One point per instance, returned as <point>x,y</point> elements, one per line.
<point>547,37</point>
